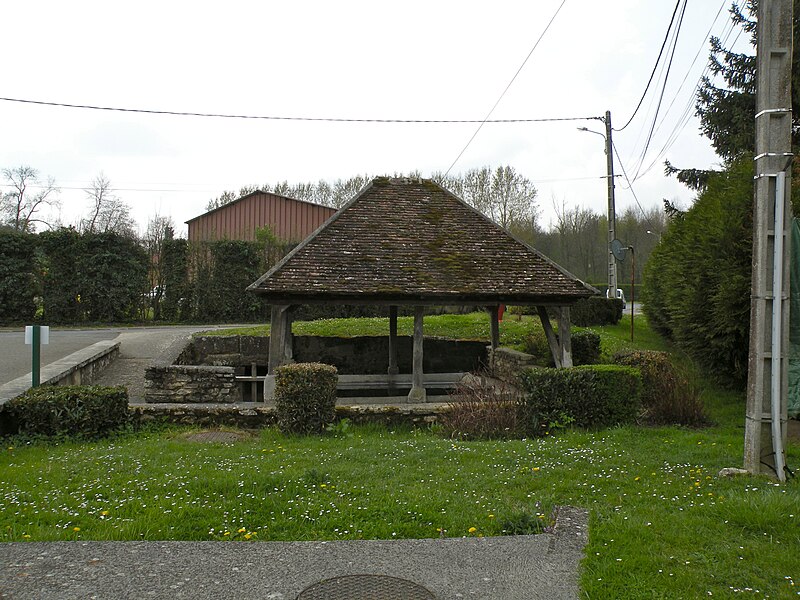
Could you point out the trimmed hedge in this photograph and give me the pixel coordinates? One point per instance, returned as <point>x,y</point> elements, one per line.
<point>596,311</point>
<point>98,277</point>
<point>305,397</point>
<point>585,347</point>
<point>18,283</point>
<point>74,410</point>
<point>588,396</point>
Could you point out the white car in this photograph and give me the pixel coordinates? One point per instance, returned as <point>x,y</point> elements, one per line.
<point>620,296</point>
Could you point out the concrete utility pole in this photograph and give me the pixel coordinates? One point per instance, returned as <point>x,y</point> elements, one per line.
<point>767,385</point>
<point>612,215</point>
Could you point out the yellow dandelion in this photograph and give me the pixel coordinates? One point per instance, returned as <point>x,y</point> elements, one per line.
<point>76,529</point>
<point>491,516</point>
<point>636,478</point>
<point>535,469</point>
<point>104,513</point>
<point>226,533</point>
<point>473,529</point>
<point>247,536</point>
<point>242,530</point>
<point>26,536</point>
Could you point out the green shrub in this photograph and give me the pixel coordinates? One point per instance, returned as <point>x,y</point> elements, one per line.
<point>588,396</point>
<point>596,311</point>
<point>305,397</point>
<point>667,397</point>
<point>536,345</point>
<point>585,347</point>
<point>479,412</point>
<point>82,411</point>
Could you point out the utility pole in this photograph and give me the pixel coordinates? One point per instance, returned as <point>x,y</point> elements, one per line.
<point>612,216</point>
<point>767,383</point>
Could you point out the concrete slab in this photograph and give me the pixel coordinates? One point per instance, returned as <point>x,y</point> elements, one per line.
<point>497,568</point>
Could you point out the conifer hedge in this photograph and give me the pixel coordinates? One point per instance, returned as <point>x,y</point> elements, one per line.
<point>697,281</point>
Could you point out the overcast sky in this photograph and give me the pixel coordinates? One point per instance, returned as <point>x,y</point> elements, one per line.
<point>436,59</point>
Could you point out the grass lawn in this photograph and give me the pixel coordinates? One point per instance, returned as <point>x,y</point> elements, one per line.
<point>662,524</point>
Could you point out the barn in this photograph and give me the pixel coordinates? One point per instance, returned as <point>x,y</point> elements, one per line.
<point>289,219</point>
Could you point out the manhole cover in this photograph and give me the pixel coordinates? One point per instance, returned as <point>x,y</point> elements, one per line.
<point>365,587</point>
<point>219,437</point>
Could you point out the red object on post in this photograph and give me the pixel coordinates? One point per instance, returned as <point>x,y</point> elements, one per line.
<point>500,310</point>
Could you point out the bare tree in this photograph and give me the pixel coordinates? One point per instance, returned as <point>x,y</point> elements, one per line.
<point>343,190</point>
<point>159,229</point>
<point>19,206</point>
<point>513,198</point>
<point>108,213</point>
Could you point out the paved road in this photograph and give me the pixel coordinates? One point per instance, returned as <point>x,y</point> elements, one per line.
<point>139,343</point>
<point>15,356</point>
<point>637,310</point>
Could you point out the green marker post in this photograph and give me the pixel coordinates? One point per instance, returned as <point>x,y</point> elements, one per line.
<point>36,354</point>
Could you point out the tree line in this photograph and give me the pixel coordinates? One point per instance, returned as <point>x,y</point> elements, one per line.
<point>58,274</point>
<point>501,193</point>
<point>698,281</point>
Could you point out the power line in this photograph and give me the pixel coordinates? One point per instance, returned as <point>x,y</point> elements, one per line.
<point>489,114</point>
<point>176,113</point>
<point>209,191</point>
<point>655,66</point>
<point>683,121</point>
<point>630,185</point>
<point>663,89</point>
<point>691,66</point>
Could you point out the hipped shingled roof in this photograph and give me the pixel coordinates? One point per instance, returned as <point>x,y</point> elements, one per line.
<point>410,241</point>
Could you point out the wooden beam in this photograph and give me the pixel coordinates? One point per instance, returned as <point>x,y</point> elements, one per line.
<point>417,393</point>
<point>495,325</point>
<point>565,336</point>
<point>280,329</point>
<point>393,369</point>
<point>552,341</point>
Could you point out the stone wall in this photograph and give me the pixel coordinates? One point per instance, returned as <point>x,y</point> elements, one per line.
<point>365,355</point>
<point>253,416</point>
<point>506,363</point>
<point>191,384</point>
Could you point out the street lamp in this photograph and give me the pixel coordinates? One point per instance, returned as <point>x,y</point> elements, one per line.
<point>612,263</point>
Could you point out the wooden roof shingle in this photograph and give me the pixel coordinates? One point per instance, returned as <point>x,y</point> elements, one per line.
<point>410,241</point>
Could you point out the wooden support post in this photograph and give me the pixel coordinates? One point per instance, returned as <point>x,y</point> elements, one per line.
<point>565,336</point>
<point>417,393</point>
<point>393,369</point>
<point>552,341</point>
<point>288,340</point>
<point>495,326</point>
<point>280,328</point>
